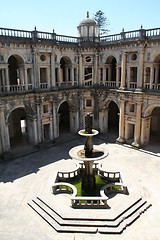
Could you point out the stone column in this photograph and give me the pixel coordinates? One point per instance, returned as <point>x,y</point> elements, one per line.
<point>7,79</point>
<point>25,78</point>
<point>96,77</point>
<point>59,76</point>
<point>55,121</point>
<point>48,78</point>
<point>103,120</point>
<point>53,80</point>
<point>51,132</point>
<point>35,133</point>
<point>140,70</point>
<point>35,69</point>
<point>136,142</point>
<point>80,70</point>
<point>156,77</point>
<point>4,131</point>
<point>151,77</point>
<point>104,74</point>
<point>145,130</point>
<point>72,75</point>
<point>117,75</point>
<point>39,123</point>
<point>123,70</point>
<point>120,139</point>
<point>3,80</point>
<point>128,76</point>
<point>109,73</point>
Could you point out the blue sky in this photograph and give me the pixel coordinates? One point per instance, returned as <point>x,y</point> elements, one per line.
<point>64,16</point>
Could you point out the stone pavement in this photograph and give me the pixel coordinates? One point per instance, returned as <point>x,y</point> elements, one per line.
<point>23,178</point>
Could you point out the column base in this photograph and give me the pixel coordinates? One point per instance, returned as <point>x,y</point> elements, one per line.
<point>135,144</point>
<point>7,156</point>
<point>120,140</point>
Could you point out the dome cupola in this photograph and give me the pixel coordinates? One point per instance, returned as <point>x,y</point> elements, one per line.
<point>88,29</point>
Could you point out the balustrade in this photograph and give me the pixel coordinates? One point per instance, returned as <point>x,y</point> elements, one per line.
<point>149,33</point>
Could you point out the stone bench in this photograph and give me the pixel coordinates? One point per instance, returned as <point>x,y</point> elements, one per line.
<point>113,187</point>
<point>63,187</point>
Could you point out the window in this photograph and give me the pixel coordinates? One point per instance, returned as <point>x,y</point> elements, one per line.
<point>45,108</point>
<point>134,56</point>
<point>1,58</point>
<point>131,107</point>
<point>88,76</point>
<point>133,74</point>
<point>88,103</point>
<point>43,57</point>
<point>88,59</point>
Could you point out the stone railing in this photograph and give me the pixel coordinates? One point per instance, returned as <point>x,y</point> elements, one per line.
<point>129,35</point>
<point>110,176</point>
<point>67,175</point>
<point>89,202</point>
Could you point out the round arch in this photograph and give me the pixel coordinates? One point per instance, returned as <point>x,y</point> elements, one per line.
<point>65,66</point>
<point>16,70</point>
<point>113,116</point>
<point>111,64</point>
<point>20,126</point>
<point>151,125</point>
<point>64,117</point>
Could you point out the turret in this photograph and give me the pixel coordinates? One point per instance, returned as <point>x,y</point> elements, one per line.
<point>88,30</point>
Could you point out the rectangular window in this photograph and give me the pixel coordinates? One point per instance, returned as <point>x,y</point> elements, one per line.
<point>45,108</point>
<point>88,76</point>
<point>131,107</point>
<point>88,103</point>
<point>133,74</point>
<point>43,75</point>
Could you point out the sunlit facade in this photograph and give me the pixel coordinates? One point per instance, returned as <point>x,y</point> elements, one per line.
<point>48,82</point>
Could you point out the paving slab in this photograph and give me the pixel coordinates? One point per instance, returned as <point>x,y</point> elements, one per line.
<point>26,177</point>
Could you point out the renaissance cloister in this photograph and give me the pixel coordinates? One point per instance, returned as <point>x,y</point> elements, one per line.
<point>49,82</point>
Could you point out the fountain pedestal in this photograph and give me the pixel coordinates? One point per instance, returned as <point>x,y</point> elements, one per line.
<point>88,180</point>
<point>87,154</point>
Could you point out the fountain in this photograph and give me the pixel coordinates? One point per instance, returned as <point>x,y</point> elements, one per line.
<point>88,154</point>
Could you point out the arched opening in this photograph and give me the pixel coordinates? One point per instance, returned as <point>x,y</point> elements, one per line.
<point>111,64</point>
<point>64,118</point>
<point>155,126</point>
<point>18,128</point>
<point>16,71</point>
<point>156,78</point>
<point>113,118</point>
<point>65,65</point>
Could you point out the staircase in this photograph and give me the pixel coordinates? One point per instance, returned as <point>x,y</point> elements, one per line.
<point>89,225</point>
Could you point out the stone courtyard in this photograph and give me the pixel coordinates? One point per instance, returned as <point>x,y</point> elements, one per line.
<point>32,174</point>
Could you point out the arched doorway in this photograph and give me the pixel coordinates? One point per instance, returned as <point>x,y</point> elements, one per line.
<point>113,118</point>
<point>155,126</point>
<point>18,128</point>
<point>64,118</point>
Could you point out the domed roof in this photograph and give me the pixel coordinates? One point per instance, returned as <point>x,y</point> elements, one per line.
<point>87,21</point>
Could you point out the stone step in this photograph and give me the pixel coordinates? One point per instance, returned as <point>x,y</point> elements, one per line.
<point>126,221</point>
<point>55,225</point>
<point>85,225</point>
<point>88,222</point>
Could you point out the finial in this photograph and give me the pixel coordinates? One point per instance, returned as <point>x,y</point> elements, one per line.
<point>141,26</point>
<point>87,14</point>
<point>35,28</point>
<point>122,29</point>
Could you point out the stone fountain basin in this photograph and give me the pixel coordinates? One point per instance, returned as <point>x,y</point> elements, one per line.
<point>84,134</point>
<point>99,153</point>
